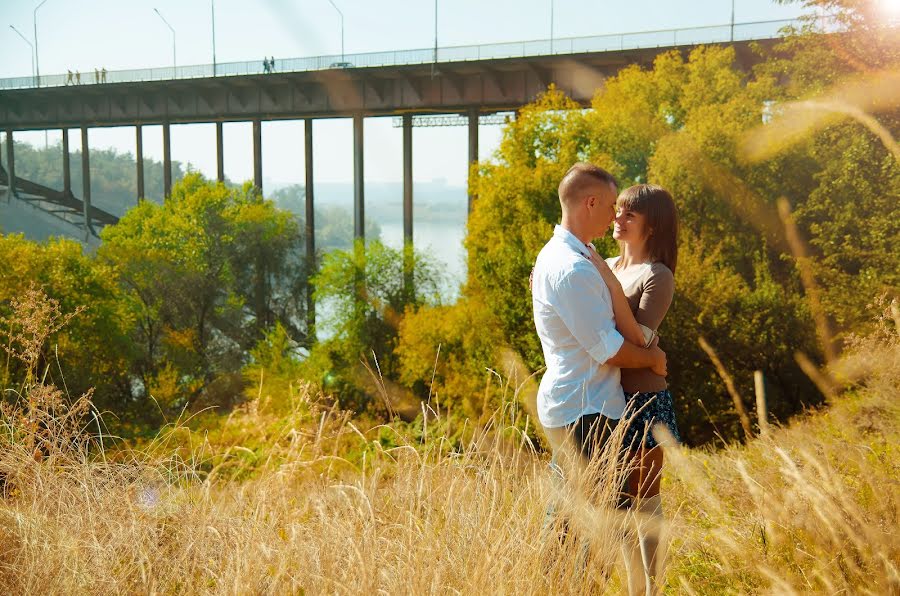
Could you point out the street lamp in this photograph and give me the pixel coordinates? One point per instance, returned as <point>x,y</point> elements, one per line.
<point>174,64</point>
<point>434,63</point>
<point>342,28</point>
<point>25,39</point>
<point>213,5</point>
<point>37,61</point>
<point>732,21</point>
<point>551,26</point>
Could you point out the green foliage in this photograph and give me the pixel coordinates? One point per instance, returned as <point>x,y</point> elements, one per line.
<point>92,350</point>
<point>516,207</point>
<point>448,351</point>
<point>368,290</point>
<point>201,300</point>
<point>113,174</point>
<point>848,207</point>
<point>754,324</point>
<point>204,274</point>
<point>334,225</point>
<point>272,375</point>
<point>681,124</point>
<point>851,216</point>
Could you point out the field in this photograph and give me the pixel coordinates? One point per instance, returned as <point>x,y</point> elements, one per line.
<point>311,501</point>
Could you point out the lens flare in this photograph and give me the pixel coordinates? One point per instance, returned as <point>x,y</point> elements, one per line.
<point>890,8</point>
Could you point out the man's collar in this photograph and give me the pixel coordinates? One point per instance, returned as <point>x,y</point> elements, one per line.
<point>571,240</point>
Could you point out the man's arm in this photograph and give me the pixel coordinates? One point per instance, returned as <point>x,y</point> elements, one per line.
<point>631,356</point>
<point>583,303</point>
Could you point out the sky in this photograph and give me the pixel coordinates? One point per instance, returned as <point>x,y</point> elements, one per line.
<point>126,34</point>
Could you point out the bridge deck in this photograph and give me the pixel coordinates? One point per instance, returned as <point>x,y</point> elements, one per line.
<point>689,36</point>
<point>488,78</point>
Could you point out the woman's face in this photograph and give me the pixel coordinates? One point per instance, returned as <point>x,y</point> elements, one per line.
<point>630,227</point>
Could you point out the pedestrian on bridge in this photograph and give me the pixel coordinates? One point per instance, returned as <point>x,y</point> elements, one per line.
<point>266,65</point>
<point>69,80</point>
<point>272,64</point>
<point>103,75</point>
<point>77,77</point>
<point>96,75</point>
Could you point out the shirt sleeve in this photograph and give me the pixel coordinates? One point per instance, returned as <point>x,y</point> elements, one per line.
<point>585,307</point>
<point>656,297</point>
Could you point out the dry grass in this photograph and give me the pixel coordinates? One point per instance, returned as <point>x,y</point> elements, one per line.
<point>812,509</point>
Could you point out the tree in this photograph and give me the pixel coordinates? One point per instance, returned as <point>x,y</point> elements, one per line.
<point>681,125</point>
<point>113,175</point>
<point>93,349</point>
<point>368,292</point>
<point>205,274</point>
<point>334,225</point>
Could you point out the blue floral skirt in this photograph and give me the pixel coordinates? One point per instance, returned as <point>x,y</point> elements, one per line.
<point>645,410</point>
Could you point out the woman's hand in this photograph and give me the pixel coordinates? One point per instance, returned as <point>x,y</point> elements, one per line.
<point>625,321</point>
<point>600,264</point>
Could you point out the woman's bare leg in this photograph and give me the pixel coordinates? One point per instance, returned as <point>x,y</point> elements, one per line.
<point>643,486</point>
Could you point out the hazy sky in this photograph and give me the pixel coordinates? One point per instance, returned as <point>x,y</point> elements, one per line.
<point>116,34</point>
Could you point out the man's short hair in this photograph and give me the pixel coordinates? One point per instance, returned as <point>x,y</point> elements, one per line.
<point>581,177</point>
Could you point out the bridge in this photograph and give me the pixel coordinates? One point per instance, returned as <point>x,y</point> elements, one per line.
<point>472,82</point>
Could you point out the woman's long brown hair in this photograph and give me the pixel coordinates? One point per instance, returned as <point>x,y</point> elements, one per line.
<point>656,204</point>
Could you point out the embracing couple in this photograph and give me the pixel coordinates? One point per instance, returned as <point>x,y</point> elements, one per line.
<point>597,321</point>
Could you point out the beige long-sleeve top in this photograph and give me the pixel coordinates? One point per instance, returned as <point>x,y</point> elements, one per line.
<point>649,288</point>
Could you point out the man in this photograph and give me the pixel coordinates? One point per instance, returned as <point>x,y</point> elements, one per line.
<point>580,397</point>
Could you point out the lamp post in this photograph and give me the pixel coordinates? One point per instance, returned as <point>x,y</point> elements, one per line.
<point>37,61</point>
<point>434,62</point>
<point>342,28</point>
<point>212,4</point>
<point>25,39</point>
<point>551,26</point>
<point>732,21</point>
<point>174,63</point>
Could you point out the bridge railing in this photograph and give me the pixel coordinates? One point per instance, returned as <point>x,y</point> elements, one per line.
<point>562,46</point>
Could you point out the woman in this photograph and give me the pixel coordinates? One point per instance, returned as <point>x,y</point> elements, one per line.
<point>641,282</point>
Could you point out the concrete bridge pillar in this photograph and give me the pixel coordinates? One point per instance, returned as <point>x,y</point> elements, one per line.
<point>310,228</point>
<point>473,147</point>
<point>86,181</point>
<point>407,200</point>
<point>67,166</point>
<point>220,154</point>
<point>257,155</point>
<point>359,210</point>
<point>11,163</point>
<point>139,160</point>
<point>407,180</point>
<point>167,161</point>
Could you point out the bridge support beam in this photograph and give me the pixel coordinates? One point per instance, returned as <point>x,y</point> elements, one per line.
<point>167,161</point>
<point>359,210</point>
<point>139,160</point>
<point>407,180</point>
<point>257,155</point>
<point>407,202</point>
<point>86,181</point>
<point>67,164</point>
<point>11,163</point>
<point>473,149</point>
<point>310,229</point>
<point>220,154</point>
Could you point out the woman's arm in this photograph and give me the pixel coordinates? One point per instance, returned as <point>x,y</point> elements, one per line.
<point>659,288</point>
<point>626,324</point>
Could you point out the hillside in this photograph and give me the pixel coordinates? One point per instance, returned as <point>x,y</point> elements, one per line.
<point>290,494</point>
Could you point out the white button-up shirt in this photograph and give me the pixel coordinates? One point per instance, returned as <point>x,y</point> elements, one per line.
<point>574,318</point>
